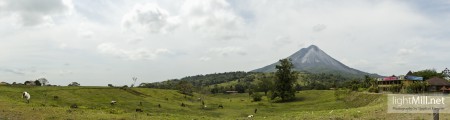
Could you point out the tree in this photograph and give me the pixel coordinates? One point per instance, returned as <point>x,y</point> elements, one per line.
<point>134,81</point>
<point>285,79</point>
<point>428,73</point>
<point>367,80</point>
<point>43,81</point>
<point>256,97</point>
<point>37,83</point>
<point>74,84</point>
<point>240,88</point>
<point>110,85</point>
<point>28,82</point>
<point>265,84</point>
<point>185,87</point>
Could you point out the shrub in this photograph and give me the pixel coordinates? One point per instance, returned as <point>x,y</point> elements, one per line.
<point>373,89</point>
<point>256,96</point>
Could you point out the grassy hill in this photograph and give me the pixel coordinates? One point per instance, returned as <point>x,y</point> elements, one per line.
<point>94,103</point>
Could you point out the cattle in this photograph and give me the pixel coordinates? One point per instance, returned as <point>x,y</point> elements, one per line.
<point>113,102</point>
<point>26,96</point>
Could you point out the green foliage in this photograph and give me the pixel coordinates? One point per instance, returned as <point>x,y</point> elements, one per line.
<point>417,87</point>
<point>367,81</point>
<point>322,81</point>
<point>395,88</point>
<point>354,85</point>
<point>285,79</point>
<point>74,84</point>
<point>373,89</point>
<point>185,87</point>
<point>256,97</point>
<point>240,88</point>
<point>428,73</point>
<point>199,80</point>
<point>265,84</point>
<point>37,83</point>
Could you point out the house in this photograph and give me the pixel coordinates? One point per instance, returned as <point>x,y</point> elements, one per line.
<point>436,84</point>
<point>402,81</point>
<point>4,83</point>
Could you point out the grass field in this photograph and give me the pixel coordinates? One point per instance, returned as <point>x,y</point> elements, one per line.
<point>94,103</point>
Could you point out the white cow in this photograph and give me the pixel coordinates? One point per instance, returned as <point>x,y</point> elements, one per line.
<point>27,96</point>
<point>113,102</point>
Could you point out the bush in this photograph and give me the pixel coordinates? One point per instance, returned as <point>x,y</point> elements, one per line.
<point>256,96</point>
<point>373,89</point>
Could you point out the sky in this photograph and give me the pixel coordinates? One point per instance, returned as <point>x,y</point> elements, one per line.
<point>100,42</point>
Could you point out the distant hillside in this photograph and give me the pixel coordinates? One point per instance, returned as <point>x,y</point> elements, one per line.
<point>199,80</point>
<point>314,60</point>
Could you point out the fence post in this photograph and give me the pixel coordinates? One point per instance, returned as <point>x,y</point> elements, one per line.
<point>435,114</point>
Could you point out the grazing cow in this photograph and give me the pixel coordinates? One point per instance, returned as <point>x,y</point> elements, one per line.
<point>26,96</point>
<point>250,116</point>
<point>139,110</point>
<point>221,106</point>
<point>183,105</point>
<point>113,102</point>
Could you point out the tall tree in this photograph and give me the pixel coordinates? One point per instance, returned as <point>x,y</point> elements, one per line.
<point>134,81</point>
<point>185,87</point>
<point>285,79</point>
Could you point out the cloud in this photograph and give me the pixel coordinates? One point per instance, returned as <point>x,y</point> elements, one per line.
<point>34,12</point>
<point>149,17</point>
<point>226,51</point>
<point>215,18</point>
<point>319,27</point>
<point>282,40</point>
<point>405,52</point>
<point>205,58</point>
<point>133,54</point>
<point>17,72</point>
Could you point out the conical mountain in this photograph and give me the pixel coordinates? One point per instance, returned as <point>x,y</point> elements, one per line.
<point>314,60</point>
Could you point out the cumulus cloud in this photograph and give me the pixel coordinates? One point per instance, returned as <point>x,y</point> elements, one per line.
<point>132,54</point>
<point>35,12</point>
<point>226,51</point>
<point>214,17</point>
<point>149,17</point>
